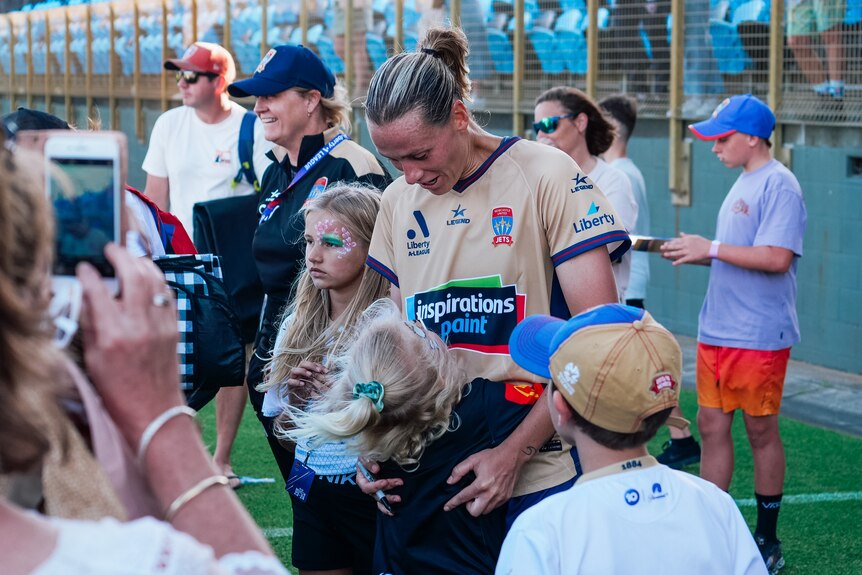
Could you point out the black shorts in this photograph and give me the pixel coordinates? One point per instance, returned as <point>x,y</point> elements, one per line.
<point>335,527</point>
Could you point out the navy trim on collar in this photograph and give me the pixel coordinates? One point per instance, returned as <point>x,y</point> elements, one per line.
<point>507,143</point>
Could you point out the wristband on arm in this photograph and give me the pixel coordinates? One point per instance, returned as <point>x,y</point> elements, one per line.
<point>713,249</point>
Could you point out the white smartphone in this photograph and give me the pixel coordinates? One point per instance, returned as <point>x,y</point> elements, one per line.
<point>84,185</point>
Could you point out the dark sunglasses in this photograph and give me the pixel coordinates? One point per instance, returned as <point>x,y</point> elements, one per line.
<point>549,125</point>
<point>192,77</point>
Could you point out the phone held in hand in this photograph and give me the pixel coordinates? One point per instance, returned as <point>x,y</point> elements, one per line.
<point>84,184</point>
<point>647,244</point>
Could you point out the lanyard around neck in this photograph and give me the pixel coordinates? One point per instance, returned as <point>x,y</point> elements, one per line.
<point>322,153</point>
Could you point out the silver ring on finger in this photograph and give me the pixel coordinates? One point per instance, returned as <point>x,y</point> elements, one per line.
<point>161,300</point>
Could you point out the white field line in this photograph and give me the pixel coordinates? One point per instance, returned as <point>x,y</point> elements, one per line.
<point>809,498</point>
<point>278,532</point>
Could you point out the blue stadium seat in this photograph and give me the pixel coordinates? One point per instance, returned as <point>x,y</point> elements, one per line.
<point>546,47</point>
<point>327,52</point>
<point>247,56</point>
<point>751,11</point>
<point>854,12</point>
<point>570,20</point>
<point>376,47</point>
<point>580,5</point>
<point>727,48</point>
<point>572,48</point>
<point>411,41</point>
<point>502,54</point>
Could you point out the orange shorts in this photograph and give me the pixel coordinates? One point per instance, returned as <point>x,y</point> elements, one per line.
<point>752,380</point>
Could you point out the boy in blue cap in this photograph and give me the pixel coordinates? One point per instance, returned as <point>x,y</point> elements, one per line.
<point>615,379</point>
<point>748,321</point>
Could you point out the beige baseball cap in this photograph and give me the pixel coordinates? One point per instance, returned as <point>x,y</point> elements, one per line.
<point>614,364</point>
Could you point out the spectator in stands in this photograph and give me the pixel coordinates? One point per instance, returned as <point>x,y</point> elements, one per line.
<point>682,449</point>
<point>569,120</point>
<point>627,19</point>
<point>193,157</point>
<point>805,19</point>
<point>305,112</point>
<point>748,320</point>
<point>479,218</point>
<point>130,354</point>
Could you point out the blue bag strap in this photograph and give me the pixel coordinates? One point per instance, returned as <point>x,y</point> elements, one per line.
<point>246,152</point>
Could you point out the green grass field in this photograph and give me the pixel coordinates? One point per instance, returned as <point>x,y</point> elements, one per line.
<point>820,528</point>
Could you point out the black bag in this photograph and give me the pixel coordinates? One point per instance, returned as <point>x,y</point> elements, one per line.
<point>226,228</point>
<point>211,349</point>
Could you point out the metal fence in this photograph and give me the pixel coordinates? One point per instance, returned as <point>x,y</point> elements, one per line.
<point>808,64</point>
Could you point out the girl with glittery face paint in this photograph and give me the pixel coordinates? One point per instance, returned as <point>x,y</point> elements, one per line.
<point>333,289</point>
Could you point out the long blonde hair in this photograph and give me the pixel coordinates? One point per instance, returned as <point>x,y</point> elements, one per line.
<point>309,333</point>
<point>29,362</point>
<point>421,384</point>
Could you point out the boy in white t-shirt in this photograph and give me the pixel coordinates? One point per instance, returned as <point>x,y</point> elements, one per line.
<point>616,377</point>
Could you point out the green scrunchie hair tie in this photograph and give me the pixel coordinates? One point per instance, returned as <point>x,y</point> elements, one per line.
<point>373,390</point>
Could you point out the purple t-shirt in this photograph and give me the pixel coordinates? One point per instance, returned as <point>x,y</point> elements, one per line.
<point>746,308</point>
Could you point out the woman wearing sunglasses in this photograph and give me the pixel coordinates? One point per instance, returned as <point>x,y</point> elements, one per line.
<point>569,120</point>
<point>305,112</point>
<point>479,231</point>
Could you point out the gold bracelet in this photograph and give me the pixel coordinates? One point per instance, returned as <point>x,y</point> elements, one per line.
<point>193,492</point>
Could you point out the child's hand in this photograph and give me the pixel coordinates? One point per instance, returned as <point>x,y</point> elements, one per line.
<point>308,379</point>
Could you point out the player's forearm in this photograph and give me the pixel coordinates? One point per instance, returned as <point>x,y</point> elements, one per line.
<point>531,434</point>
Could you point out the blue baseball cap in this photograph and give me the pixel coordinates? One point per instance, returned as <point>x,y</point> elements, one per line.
<point>745,114</point>
<point>285,67</point>
<point>614,364</point>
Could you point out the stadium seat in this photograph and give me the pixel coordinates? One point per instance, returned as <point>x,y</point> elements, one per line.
<point>727,48</point>
<point>502,54</point>
<point>572,49</point>
<point>853,15</point>
<point>376,47</point>
<point>326,49</point>
<point>580,5</point>
<point>569,20</point>
<point>751,11</point>
<point>546,48</point>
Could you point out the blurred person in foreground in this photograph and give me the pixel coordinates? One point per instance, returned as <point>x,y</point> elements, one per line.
<point>130,356</point>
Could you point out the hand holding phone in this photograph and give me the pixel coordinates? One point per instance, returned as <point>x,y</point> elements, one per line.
<point>84,184</point>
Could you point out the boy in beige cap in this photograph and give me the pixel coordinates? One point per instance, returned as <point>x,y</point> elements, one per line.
<point>616,374</point>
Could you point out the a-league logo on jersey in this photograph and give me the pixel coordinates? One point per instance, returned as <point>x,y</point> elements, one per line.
<point>502,221</point>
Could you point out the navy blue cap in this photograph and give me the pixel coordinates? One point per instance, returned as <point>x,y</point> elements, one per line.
<point>285,67</point>
<point>745,114</point>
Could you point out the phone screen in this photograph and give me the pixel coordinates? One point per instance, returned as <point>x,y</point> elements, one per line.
<point>83,195</point>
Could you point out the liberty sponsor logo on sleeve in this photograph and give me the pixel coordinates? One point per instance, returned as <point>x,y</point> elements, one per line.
<point>476,314</point>
<point>593,219</point>
<point>502,222</point>
<point>459,216</point>
<point>417,246</point>
<point>581,183</point>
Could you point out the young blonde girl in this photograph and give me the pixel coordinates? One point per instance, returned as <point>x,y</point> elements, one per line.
<point>334,522</point>
<point>398,397</point>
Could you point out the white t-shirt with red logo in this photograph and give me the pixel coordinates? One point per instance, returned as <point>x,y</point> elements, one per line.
<point>201,160</point>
